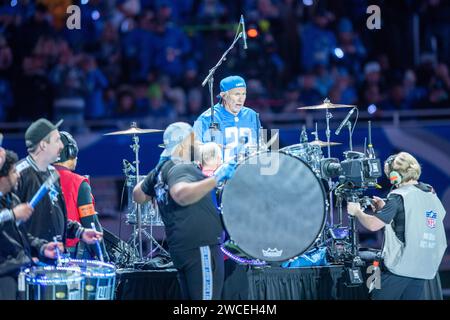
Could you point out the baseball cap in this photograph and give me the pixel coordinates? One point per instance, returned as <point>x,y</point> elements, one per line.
<point>38,130</point>
<point>232,82</point>
<point>174,135</point>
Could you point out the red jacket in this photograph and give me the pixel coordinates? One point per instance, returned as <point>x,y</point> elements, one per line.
<point>70,184</point>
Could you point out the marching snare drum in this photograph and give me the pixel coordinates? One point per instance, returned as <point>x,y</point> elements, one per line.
<point>274,206</point>
<point>99,278</point>
<point>53,283</point>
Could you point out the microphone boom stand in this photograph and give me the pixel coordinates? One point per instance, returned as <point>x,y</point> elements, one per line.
<point>214,126</point>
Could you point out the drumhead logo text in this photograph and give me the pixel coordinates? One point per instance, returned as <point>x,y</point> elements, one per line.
<point>272,253</point>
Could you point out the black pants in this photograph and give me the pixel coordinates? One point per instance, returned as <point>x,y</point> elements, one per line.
<point>8,288</point>
<point>394,287</point>
<point>200,272</point>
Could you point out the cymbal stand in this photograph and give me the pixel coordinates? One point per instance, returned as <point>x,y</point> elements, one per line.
<point>154,245</point>
<point>135,147</point>
<point>328,116</point>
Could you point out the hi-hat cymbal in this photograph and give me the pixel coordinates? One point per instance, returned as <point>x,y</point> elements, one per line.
<point>324,143</point>
<point>132,130</point>
<point>327,105</point>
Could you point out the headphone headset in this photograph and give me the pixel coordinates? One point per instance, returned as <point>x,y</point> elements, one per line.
<point>394,176</point>
<point>70,145</point>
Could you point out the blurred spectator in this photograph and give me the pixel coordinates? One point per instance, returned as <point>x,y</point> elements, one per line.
<point>195,104</point>
<point>415,96</point>
<point>324,80</point>
<point>126,107</point>
<point>139,46</point>
<point>435,19</point>
<point>6,58</point>
<point>69,101</point>
<point>141,96</point>
<point>343,91</point>
<point>440,87</point>
<point>33,91</point>
<point>57,9</point>
<point>292,100</point>
<point>318,42</point>
<point>396,99</point>
<point>6,97</point>
<point>210,10</point>
<point>371,95</point>
<point>159,107</point>
<point>353,51</point>
<point>6,100</point>
<point>33,28</point>
<point>107,53</point>
<point>110,101</point>
<point>95,83</point>
<point>308,92</point>
<point>172,47</point>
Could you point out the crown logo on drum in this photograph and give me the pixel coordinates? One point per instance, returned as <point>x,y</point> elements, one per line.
<point>272,253</point>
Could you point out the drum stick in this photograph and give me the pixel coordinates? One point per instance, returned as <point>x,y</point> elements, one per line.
<point>97,243</point>
<point>38,195</point>
<point>43,190</point>
<point>58,253</point>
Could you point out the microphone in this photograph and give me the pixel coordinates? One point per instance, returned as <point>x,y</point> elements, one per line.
<point>338,130</point>
<point>244,33</point>
<point>128,166</point>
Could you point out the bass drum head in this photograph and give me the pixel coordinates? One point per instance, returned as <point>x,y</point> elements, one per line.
<point>274,207</point>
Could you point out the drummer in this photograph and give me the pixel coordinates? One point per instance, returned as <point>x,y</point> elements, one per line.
<point>17,247</point>
<point>234,120</point>
<point>44,145</point>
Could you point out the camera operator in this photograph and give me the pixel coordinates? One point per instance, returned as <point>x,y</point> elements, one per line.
<point>414,232</point>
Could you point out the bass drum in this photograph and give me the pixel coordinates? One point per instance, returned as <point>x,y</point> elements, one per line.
<point>274,207</point>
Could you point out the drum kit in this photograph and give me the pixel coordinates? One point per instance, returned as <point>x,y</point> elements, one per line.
<point>284,213</point>
<point>140,216</point>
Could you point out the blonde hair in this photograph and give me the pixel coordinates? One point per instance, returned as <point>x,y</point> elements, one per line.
<point>405,164</point>
<point>211,153</point>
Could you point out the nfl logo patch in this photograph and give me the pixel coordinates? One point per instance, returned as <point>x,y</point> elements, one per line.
<point>431,219</point>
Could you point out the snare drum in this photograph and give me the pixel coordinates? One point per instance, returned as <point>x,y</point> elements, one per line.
<point>99,278</point>
<point>274,206</point>
<point>53,283</point>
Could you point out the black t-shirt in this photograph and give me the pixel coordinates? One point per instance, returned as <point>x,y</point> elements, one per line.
<point>187,227</point>
<point>394,211</point>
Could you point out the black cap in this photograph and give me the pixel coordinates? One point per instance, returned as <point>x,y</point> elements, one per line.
<point>38,130</point>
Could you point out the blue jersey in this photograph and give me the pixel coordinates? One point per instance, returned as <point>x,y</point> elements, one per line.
<point>245,124</point>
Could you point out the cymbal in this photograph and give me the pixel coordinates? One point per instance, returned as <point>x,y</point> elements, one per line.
<point>132,130</point>
<point>327,105</point>
<point>324,143</point>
